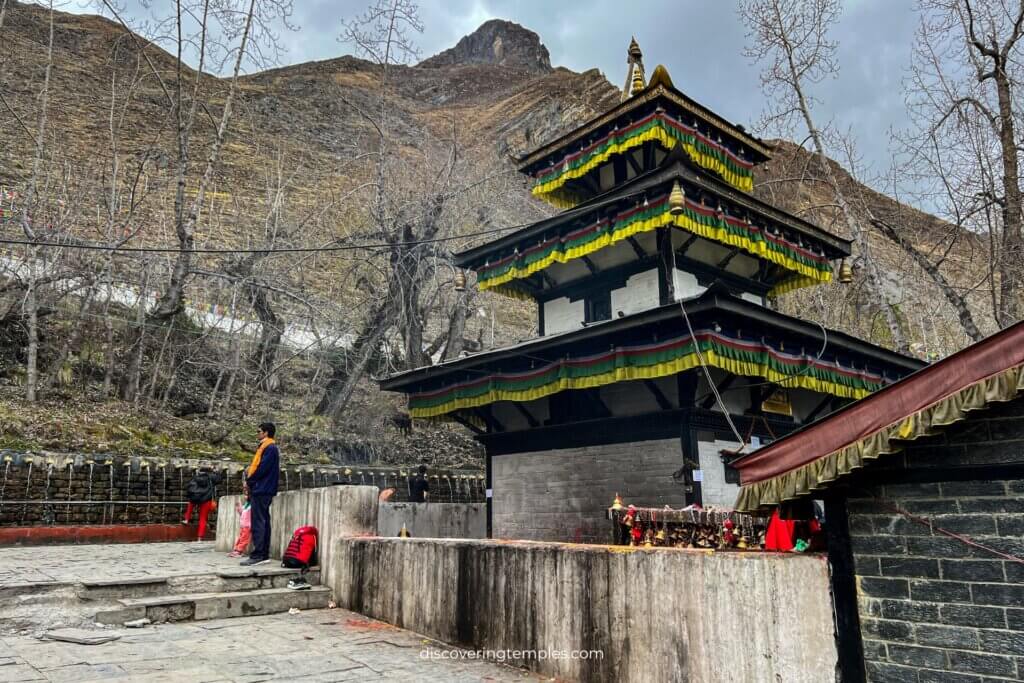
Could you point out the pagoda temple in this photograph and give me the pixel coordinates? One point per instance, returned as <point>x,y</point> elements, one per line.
<point>658,358</point>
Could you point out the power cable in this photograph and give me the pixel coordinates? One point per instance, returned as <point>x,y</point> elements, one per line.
<point>272,250</point>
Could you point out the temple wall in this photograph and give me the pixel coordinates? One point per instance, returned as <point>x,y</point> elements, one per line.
<point>685,284</point>
<point>562,315</point>
<point>713,487</point>
<point>628,615</point>
<point>563,494</point>
<point>639,294</point>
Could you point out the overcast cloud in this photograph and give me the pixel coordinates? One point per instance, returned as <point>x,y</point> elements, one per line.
<point>700,41</point>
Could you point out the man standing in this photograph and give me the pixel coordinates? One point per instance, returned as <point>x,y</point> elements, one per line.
<point>261,478</point>
<point>419,487</point>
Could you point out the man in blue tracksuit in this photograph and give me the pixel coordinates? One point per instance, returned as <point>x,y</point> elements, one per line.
<point>261,478</point>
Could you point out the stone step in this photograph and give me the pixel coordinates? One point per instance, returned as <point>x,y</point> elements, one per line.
<point>203,606</point>
<point>228,580</point>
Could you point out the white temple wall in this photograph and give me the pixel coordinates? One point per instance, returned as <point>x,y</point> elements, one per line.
<point>713,487</point>
<point>562,315</point>
<point>639,294</point>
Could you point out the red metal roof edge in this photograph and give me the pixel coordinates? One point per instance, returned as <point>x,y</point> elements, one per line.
<point>994,354</point>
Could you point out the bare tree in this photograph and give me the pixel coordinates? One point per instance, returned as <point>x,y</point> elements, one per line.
<point>963,148</point>
<point>790,37</point>
<point>208,31</point>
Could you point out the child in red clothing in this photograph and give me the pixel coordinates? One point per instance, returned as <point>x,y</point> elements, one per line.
<point>244,527</point>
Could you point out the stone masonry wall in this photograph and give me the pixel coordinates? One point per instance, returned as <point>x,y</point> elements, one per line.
<point>59,489</point>
<point>932,607</point>
<point>564,494</point>
<point>639,615</point>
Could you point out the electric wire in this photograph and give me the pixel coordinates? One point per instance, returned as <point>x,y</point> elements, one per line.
<point>266,250</point>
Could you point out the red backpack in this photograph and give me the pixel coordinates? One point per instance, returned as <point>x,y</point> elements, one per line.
<point>301,551</point>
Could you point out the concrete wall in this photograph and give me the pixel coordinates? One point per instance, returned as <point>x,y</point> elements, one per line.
<point>713,487</point>
<point>563,494</point>
<point>562,315</point>
<point>639,294</point>
<point>433,520</point>
<point>336,512</point>
<point>656,615</point>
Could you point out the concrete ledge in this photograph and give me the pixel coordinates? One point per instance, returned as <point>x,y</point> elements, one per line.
<point>335,511</point>
<point>205,606</point>
<point>433,520</point>
<point>653,614</point>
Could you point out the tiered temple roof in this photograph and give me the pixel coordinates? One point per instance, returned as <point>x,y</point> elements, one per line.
<point>660,262</point>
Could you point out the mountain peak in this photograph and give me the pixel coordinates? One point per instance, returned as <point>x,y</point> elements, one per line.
<point>497,42</point>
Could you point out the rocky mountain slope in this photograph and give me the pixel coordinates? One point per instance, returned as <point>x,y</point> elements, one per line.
<point>496,92</point>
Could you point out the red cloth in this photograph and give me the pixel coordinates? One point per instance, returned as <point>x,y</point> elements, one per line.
<point>781,533</point>
<point>204,512</point>
<point>244,537</point>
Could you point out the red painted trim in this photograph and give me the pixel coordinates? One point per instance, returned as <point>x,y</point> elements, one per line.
<point>95,533</point>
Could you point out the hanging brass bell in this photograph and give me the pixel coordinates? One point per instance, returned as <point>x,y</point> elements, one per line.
<point>617,505</point>
<point>660,536</point>
<point>404,532</point>
<point>460,281</point>
<point>676,200</point>
<point>845,272</point>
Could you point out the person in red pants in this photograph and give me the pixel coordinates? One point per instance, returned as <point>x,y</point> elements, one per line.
<point>201,494</point>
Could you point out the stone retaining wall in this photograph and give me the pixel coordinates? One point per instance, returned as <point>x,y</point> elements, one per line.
<point>433,520</point>
<point>336,512</point>
<point>74,489</point>
<point>654,615</point>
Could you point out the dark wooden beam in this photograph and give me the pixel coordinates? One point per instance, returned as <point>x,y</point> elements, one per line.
<point>758,394</point>
<point>666,266</point>
<point>659,396</point>
<point>722,388</point>
<point>590,265</point>
<point>493,426</point>
<point>619,169</point>
<point>681,251</point>
<point>632,162</point>
<point>825,403</point>
<point>729,257</point>
<point>686,385</point>
<point>637,249</point>
<point>844,590</point>
<point>530,419</point>
<point>548,282</point>
<point>467,424</point>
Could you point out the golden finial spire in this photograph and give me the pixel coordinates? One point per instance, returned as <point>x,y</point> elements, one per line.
<point>634,71</point>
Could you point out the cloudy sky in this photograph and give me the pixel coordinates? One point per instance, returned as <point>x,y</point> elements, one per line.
<point>700,41</point>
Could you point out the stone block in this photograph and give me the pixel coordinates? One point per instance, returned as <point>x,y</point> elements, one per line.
<point>971,570</point>
<point>967,615</point>
<point>940,591</point>
<point>976,662</point>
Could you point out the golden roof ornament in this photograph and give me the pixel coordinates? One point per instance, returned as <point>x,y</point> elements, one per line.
<point>676,200</point>
<point>660,77</point>
<point>634,71</point>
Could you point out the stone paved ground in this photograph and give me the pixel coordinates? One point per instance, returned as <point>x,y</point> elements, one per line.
<point>316,645</point>
<point>70,563</point>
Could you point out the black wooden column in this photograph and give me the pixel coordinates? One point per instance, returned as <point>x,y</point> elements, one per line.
<point>844,590</point>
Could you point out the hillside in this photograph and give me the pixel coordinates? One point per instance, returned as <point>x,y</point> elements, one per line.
<point>295,164</point>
